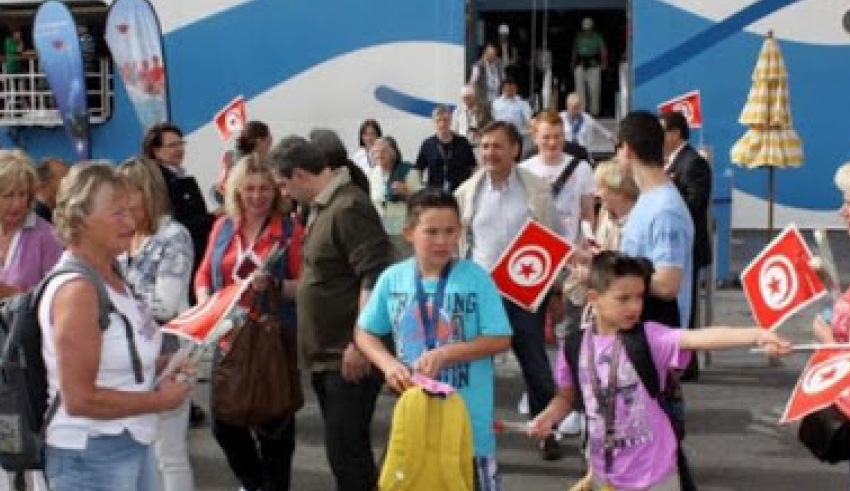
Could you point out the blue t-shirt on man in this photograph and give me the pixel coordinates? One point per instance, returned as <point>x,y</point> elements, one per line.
<point>660,228</point>
<point>471,307</point>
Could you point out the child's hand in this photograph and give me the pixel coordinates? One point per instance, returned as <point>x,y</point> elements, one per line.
<point>773,344</point>
<point>430,363</point>
<point>398,377</point>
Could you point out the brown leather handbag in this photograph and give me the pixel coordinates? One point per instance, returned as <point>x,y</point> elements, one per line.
<point>257,380</point>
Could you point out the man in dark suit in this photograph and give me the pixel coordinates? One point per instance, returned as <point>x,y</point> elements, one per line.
<point>692,175</point>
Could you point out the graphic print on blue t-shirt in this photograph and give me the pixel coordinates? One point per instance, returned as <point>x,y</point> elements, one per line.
<point>410,331</point>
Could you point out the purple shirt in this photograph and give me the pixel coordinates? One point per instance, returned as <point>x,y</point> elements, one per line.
<point>32,254</point>
<point>645,450</point>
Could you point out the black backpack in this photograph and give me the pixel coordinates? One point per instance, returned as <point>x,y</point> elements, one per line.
<point>670,398</point>
<point>24,412</point>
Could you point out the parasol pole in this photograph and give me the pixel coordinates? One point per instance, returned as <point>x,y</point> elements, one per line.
<point>770,198</point>
<point>770,176</point>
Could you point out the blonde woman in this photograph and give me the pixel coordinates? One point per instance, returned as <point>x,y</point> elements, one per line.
<point>255,222</point>
<point>106,422</point>
<point>618,192</point>
<point>21,229</point>
<point>158,269</point>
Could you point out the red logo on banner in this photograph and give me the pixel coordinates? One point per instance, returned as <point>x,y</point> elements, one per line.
<point>690,105</point>
<point>528,267</point>
<point>825,378</point>
<point>200,321</point>
<point>779,281</point>
<point>231,119</point>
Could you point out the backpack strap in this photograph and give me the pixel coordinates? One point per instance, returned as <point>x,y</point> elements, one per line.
<point>73,265</point>
<point>225,234</point>
<point>640,354</point>
<point>572,352</point>
<point>559,183</point>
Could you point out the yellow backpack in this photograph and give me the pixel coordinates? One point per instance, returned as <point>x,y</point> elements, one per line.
<point>430,445</point>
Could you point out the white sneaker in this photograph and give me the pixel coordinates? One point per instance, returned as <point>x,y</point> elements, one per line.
<point>522,405</point>
<point>573,424</point>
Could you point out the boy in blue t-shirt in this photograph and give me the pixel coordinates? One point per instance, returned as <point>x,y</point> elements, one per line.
<point>446,318</point>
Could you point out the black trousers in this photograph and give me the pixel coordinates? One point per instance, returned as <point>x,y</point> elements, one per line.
<point>347,409</point>
<point>529,345</point>
<point>261,459</point>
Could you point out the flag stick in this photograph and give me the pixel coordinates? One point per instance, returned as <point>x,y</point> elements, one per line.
<point>809,347</point>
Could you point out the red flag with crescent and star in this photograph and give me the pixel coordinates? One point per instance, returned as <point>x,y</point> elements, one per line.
<point>825,381</point>
<point>690,105</point>
<point>200,323</point>
<point>779,282</point>
<point>530,264</point>
<point>231,119</point>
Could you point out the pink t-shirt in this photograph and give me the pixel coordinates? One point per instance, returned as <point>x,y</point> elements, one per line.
<point>645,449</point>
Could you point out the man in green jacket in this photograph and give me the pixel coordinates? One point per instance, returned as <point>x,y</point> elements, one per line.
<point>345,250</point>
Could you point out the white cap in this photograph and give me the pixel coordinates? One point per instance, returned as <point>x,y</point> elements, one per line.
<point>587,23</point>
<point>504,30</point>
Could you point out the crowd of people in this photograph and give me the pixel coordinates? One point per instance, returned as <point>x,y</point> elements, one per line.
<point>313,234</point>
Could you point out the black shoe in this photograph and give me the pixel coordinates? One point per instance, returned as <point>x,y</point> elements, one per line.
<point>196,416</point>
<point>550,449</point>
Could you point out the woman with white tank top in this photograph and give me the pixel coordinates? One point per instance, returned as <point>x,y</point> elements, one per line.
<point>100,437</point>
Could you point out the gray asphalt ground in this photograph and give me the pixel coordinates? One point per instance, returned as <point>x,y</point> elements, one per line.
<point>734,442</point>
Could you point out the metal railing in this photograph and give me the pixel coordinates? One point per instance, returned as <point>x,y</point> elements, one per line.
<point>26,98</point>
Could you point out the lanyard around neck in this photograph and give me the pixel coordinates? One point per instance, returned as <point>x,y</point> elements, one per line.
<point>431,319</point>
<point>605,399</point>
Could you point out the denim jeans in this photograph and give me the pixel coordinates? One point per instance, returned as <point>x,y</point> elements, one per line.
<point>108,463</point>
<point>347,409</point>
<point>529,345</point>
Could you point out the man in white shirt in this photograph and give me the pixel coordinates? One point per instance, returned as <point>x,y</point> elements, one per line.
<point>574,198</point>
<point>512,108</point>
<point>580,127</point>
<point>573,191</point>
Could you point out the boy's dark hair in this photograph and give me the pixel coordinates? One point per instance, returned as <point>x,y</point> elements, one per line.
<point>153,138</point>
<point>295,152</point>
<point>607,266</point>
<point>429,198</point>
<point>675,120</point>
<point>642,131</point>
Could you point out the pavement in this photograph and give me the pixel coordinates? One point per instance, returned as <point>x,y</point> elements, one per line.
<point>734,441</point>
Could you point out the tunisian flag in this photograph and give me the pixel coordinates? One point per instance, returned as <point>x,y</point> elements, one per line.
<point>530,264</point>
<point>231,119</point>
<point>690,105</point>
<point>779,282</point>
<point>202,323</point>
<point>825,379</point>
